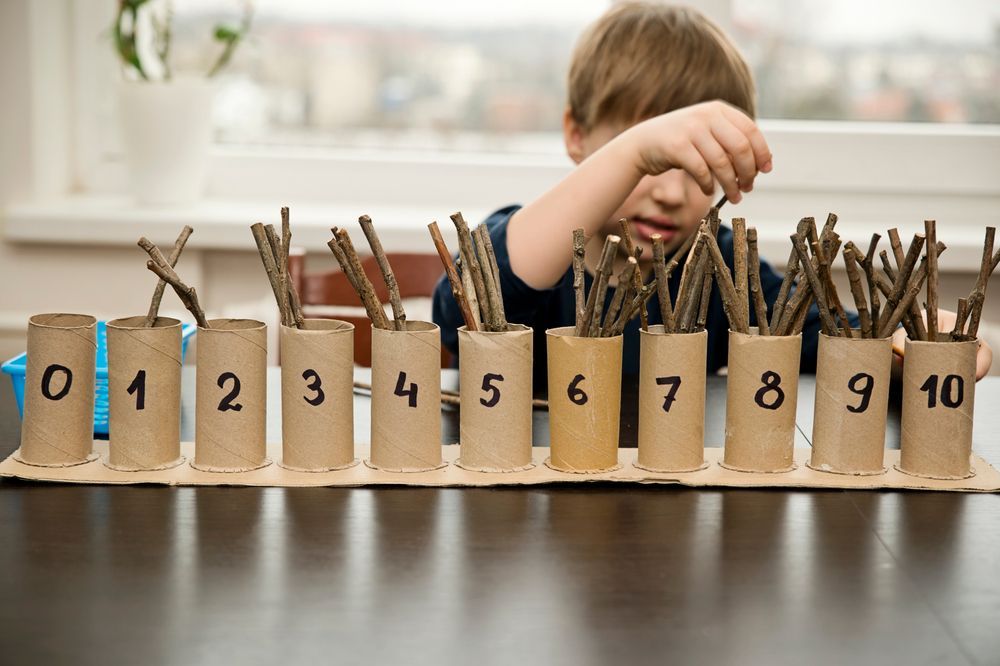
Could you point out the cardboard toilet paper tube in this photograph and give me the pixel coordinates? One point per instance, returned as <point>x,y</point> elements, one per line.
<point>672,400</point>
<point>495,416</point>
<point>58,425</point>
<point>939,390</point>
<point>317,400</point>
<point>585,385</point>
<point>231,397</point>
<point>406,398</point>
<point>852,399</point>
<point>144,392</point>
<point>761,393</point>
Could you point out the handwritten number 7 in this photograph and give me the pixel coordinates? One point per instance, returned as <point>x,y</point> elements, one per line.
<point>674,382</point>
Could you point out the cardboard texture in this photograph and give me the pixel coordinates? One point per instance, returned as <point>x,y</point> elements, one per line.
<point>939,390</point>
<point>230,396</point>
<point>585,383</point>
<point>672,400</point>
<point>987,479</point>
<point>852,402</point>
<point>761,393</point>
<point>58,423</point>
<point>144,393</point>
<point>495,381</point>
<point>317,395</point>
<point>406,398</point>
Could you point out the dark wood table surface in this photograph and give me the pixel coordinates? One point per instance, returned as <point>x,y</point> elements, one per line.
<point>555,575</point>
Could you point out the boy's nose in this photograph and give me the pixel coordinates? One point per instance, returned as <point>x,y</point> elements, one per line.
<point>668,188</point>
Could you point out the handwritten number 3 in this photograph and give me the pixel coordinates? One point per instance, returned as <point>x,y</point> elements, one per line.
<point>315,385</point>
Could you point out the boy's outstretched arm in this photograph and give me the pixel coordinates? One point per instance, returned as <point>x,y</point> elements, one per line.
<point>712,141</point>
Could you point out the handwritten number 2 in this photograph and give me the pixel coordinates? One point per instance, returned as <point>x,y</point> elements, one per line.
<point>226,404</point>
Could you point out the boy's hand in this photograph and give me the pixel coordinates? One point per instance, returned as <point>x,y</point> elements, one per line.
<point>946,321</point>
<point>711,141</point>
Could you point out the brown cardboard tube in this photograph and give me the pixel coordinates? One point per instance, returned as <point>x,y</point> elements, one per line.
<point>585,385</point>
<point>939,390</point>
<point>231,396</point>
<point>317,400</point>
<point>144,394</point>
<point>58,425</point>
<point>761,393</point>
<point>852,398</point>
<point>495,416</point>
<point>406,398</point>
<point>672,400</point>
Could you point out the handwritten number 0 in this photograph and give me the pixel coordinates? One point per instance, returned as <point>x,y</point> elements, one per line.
<point>47,381</point>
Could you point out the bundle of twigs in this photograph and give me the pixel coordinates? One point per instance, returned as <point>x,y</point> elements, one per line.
<point>475,284</point>
<point>350,263</point>
<point>274,255</point>
<point>163,268</point>
<point>175,254</point>
<point>971,307</point>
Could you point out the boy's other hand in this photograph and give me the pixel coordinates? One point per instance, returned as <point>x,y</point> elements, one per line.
<point>946,321</point>
<point>711,141</point>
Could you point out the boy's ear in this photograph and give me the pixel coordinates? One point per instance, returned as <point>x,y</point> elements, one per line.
<point>573,137</point>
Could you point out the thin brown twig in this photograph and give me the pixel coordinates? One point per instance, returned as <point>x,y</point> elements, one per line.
<point>175,254</point>
<point>366,292</point>
<point>662,284</point>
<point>398,313</point>
<point>456,283</point>
<point>756,290</point>
<point>188,296</point>
<point>579,253</point>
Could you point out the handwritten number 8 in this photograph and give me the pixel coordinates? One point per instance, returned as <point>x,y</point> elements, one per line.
<point>864,391</point>
<point>772,381</point>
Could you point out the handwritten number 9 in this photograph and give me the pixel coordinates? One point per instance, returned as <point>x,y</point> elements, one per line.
<point>864,391</point>
<point>488,386</point>
<point>772,384</point>
<point>576,394</point>
<point>226,404</point>
<point>47,381</point>
<point>315,385</point>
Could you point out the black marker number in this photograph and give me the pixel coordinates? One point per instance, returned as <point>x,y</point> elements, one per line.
<point>772,384</point>
<point>674,382</point>
<point>227,402</point>
<point>865,391</point>
<point>315,385</point>
<point>952,391</point>
<point>47,381</point>
<point>406,392</point>
<point>138,388</point>
<point>576,394</point>
<point>488,386</point>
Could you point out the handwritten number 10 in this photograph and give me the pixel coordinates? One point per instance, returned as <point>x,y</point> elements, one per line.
<point>952,385</point>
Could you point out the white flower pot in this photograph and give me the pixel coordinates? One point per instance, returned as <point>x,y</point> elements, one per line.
<point>167,130</point>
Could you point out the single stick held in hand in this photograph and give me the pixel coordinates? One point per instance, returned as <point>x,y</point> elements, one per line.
<point>756,290</point>
<point>398,314</point>
<point>187,294</point>
<point>366,292</point>
<point>662,284</point>
<point>930,231</point>
<point>579,252</point>
<point>740,267</point>
<point>469,264</point>
<point>595,304</point>
<point>456,283</point>
<point>857,291</point>
<point>175,254</point>
<point>727,289</point>
<point>978,296</point>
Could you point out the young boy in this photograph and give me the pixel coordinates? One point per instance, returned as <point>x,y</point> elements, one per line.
<point>660,108</point>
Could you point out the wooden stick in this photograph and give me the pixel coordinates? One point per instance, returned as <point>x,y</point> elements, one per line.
<point>740,273</point>
<point>286,242</point>
<point>869,268</point>
<point>681,252</point>
<point>978,296</point>
<point>826,319</point>
<point>662,284</point>
<point>706,294</point>
<point>469,264</point>
<point>621,297</point>
<point>857,291</point>
<point>188,296</point>
<point>730,300</point>
<point>398,314</point>
<point>456,283</point>
<point>495,270</point>
<point>274,243</point>
<point>175,254</point>
<point>832,297</point>
<point>930,231</point>
<point>600,287</point>
<point>491,277</point>
<point>756,291</point>
<point>963,312</point>
<point>264,247</point>
<point>902,280</point>
<point>913,321</point>
<point>799,299</point>
<point>691,281</point>
<point>579,253</point>
<point>637,285</point>
<point>909,294</point>
<point>469,289</point>
<point>366,292</point>
<point>791,271</point>
<point>628,313</point>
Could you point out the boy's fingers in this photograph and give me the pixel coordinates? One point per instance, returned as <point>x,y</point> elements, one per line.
<point>691,160</point>
<point>720,164</point>
<point>761,151</point>
<point>740,152</point>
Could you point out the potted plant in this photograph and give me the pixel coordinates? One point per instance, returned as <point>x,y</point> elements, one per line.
<point>166,117</point>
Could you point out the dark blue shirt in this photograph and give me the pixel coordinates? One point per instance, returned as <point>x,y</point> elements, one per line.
<point>549,308</point>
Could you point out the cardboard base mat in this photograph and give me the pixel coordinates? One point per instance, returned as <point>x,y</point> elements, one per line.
<point>985,479</point>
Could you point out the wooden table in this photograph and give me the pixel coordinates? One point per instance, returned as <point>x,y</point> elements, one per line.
<point>559,575</point>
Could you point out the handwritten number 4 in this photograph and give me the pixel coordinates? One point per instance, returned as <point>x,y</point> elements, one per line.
<point>410,392</point>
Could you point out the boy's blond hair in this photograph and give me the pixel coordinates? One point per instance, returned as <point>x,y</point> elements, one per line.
<point>642,59</point>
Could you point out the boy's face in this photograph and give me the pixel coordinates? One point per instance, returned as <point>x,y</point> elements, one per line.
<point>670,204</point>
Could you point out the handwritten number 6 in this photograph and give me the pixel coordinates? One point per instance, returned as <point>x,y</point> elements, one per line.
<point>576,394</point>
<point>315,385</point>
<point>226,404</point>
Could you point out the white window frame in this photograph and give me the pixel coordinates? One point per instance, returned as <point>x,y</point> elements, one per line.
<point>875,175</point>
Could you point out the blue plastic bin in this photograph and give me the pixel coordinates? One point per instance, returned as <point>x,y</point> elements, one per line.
<point>18,366</point>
